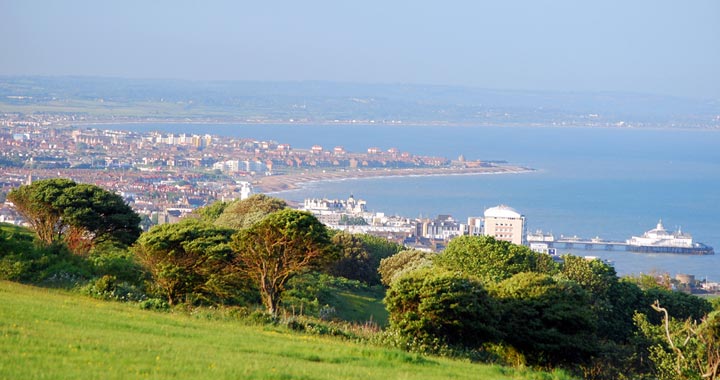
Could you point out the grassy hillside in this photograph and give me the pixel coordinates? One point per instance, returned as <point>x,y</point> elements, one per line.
<point>50,334</point>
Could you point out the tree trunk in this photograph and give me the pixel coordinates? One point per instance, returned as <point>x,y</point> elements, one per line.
<point>269,297</point>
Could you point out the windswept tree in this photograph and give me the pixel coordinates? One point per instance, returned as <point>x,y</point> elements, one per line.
<point>211,212</point>
<point>35,204</point>
<point>81,215</point>
<point>281,245</point>
<point>244,213</point>
<point>188,258</point>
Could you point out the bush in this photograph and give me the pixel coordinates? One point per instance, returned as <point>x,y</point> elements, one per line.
<point>108,259</point>
<point>315,327</point>
<point>549,321</point>
<point>503,354</point>
<point>56,266</point>
<point>156,304</point>
<point>681,306</point>
<point>492,260</point>
<point>393,267</point>
<point>360,256</point>
<point>434,309</point>
<point>108,287</point>
<point>261,318</point>
<point>613,301</point>
<point>21,259</point>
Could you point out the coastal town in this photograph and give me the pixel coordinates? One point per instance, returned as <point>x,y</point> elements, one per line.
<point>166,175</point>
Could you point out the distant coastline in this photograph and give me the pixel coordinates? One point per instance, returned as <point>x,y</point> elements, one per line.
<point>364,123</point>
<point>287,182</point>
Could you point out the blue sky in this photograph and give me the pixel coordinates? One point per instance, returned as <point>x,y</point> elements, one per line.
<point>658,46</point>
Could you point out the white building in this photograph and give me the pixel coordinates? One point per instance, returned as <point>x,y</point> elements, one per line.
<point>475,225</point>
<point>505,223</point>
<point>246,189</point>
<point>350,206</point>
<point>444,227</point>
<point>660,237</point>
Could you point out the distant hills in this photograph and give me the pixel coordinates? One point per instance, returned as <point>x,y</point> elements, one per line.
<point>330,102</point>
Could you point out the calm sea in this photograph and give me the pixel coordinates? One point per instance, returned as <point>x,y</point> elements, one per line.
<point>611,183</point>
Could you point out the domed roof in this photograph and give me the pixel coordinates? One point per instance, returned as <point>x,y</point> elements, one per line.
<point>502,211</point>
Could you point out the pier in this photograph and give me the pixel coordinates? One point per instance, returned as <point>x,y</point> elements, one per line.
<point>577,243</point>
<point>656,240</point>
<point>597,244</point>
<point>589,245</point>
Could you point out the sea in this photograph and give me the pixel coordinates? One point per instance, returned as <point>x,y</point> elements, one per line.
<point>611,183</point>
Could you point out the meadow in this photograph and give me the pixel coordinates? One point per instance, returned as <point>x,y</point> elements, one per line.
<point>54,334</point>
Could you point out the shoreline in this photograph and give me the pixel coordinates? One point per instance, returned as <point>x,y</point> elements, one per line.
<point>409,124</point>
<point>289,182</point>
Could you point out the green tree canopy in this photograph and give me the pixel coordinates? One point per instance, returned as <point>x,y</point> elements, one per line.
<point>244,213</point>
<point>393,267</point>
<point>549,321</point>
<point>614,302</point>
<point>211,212</point>
<point>491,260</point>
<point>278,247</point>
<point>360,256</point>
<point>680,305</point>
<point>187,258</point>
<point>435,308</point>
<point>79,214</point>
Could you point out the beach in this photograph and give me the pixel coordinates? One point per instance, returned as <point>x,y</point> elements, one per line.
<point>292,181</point>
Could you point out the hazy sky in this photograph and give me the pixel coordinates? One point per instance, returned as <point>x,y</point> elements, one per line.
<point>653,46</point>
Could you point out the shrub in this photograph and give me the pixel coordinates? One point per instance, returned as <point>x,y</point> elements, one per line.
<point>681,306</point>
<point>432,309</point>
<point>156,304</point>
<point>360,256</point>
<point>108,259</point>
<point>108,287</point>
<point>549,321</point>
<point>492,260</point>
<point>393,267</point>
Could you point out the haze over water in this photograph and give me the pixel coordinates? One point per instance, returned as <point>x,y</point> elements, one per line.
<point>589,182</point>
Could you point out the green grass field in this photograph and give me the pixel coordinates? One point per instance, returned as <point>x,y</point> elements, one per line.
<point>51,334</point>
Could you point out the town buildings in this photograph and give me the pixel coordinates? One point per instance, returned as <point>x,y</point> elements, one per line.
<point>351,215</point>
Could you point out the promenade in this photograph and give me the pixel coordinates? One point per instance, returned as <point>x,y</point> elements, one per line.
<point>285,182</point>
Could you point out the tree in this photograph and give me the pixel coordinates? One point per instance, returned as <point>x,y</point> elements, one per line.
<point>492,260</point>
<point>393,267</point>
<point>355,261</point>
<point>35,203</point>
<point>549,321</point>
<point>360,256</point>
<point>434,308</point>
<point>242,214</point>
<point>82,215</point>
<point>613,302</point>
<point>680,305</point>
<point>95,215</point>
<point>187,258</point>
<point>210,213</point>
<point>683,350</point>
<point>281,245</point>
